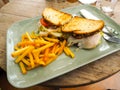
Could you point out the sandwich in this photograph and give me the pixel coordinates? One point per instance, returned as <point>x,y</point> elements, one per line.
<point>85,33</point>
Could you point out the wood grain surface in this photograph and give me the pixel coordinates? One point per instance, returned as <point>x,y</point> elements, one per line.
<point>90,73</point>
<point>18,10</point>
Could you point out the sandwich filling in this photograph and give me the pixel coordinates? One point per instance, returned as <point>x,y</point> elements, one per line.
<point>86,43</point>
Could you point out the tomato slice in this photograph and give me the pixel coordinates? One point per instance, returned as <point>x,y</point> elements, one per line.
<point>42,21</point>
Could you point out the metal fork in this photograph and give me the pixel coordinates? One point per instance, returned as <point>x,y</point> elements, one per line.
<point>111,35</point>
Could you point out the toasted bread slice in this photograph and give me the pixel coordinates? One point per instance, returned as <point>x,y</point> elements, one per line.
<point>79,25</point>
<point>56,17</point>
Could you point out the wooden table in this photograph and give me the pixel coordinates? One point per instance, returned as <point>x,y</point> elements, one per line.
<point>17,10</point>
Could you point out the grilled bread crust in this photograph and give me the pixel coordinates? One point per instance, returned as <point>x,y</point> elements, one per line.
<point>79,25</point>
<point>56,17</point>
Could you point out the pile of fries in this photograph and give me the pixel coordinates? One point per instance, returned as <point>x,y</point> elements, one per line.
<point>34,51</point>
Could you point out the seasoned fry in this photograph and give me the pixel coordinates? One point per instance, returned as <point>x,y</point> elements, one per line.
<point>57,49</point>
<point>66,51</point>
<point>26,62</point>
<point>51,39</point>
<point>49,55</point>
<point>24,37</point>
<point>25,43</point>
<point>18,52</point>
<point>30,39</point>
<point>31,60</point>
<point>23,69</point>
<point>34,51</point>
<point>41,41</point>
<point>69,52</point>
<point>16,47</point>
<point>41,62</point>
<point>62,47</point>
<point>36,56</point>
<point>29,49</point>
<point>30,68</point>
<point>51,60</point>
<point>45,57</point>
<point>43,48</point>
<point>54,48</point>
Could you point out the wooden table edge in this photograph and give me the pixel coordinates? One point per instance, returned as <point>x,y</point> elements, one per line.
<point>78,85</point>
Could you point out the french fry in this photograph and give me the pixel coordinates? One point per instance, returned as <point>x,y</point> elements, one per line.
<point>34,51</point>
<point>57,50</point>
<point>29,49</point>
<point>42,42</point>
<point>26,62</point>
<point>66,51</point>
<point>41,38</point>
<point>30,39</point>
<point>50,60</point>
<point>23,37</point>
<point>44,47</point>
<point>18,52</point>
<point>62,47</point>
<point>25,43</point>
<point>30,68</point>
<point>54,48</point>
<point>49,55</point>
<point>69,52</point>
<point>31,60</point>
<point>23,69</point>
<point>51,39</point>
<point>16,47</point>
<point>45,57</point>
<point>41,62</point>
<point>36,56</point>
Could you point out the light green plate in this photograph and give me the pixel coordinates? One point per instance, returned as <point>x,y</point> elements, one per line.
<point>63,64</point>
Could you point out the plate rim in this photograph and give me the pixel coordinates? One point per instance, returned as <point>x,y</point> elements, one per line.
<point>58,74</point>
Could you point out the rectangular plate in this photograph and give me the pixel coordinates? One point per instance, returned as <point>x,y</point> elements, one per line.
<point>63,64</point>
